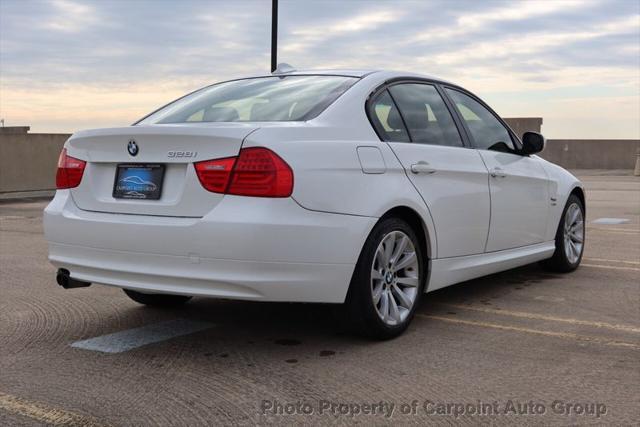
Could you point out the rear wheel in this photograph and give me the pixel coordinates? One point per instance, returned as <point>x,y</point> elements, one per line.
<point>387,282</point>
<point>157,300</point>
<point>569,238</point>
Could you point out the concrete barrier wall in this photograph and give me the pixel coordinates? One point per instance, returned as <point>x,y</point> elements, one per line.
<point>592,153</point>
<point>521,125</point>
<point>581,153</point>
<point>28,161</point>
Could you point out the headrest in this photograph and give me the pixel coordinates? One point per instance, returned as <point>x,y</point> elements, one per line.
<point>270,111</point>
<point>416,115</point>
<point>220,114</point>
<point>394,120</point>
<point>260,111</point>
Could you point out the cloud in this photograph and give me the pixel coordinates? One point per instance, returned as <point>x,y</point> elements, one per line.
<point>518,12</point>
<point>527,44</point>
<point>306,36</point>
<point>71,17</point>
<point>103,62</point>
<point>467,23</point>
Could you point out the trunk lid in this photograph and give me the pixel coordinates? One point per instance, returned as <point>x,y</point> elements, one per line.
<point>176,147</point>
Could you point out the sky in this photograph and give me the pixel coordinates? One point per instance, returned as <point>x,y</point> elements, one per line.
<point>67,65</point>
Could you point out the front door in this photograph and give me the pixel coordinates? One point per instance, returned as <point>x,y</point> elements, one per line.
<point>519,184</point>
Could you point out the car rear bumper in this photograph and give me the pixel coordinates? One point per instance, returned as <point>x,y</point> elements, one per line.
<point>245,248</point>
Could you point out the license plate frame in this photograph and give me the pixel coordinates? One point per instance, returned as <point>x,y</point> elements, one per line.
<point>138,181</point>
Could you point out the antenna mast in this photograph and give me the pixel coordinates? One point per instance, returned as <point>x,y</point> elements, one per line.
<point>274,35</point>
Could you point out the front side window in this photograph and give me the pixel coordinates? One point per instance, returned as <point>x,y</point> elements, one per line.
<point>487,131</point>
<point>387,120</point>
<point>264,99</point>
<point>426,115</point>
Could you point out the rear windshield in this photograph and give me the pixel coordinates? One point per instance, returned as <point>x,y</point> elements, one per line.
<point>264,99</point>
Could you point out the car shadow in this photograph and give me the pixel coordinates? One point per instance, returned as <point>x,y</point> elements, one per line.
<point>238,323</point>
<point>484,289</point>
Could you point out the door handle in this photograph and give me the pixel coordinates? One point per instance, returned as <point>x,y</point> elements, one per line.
<point>498,173</point>
<point>422,167</point>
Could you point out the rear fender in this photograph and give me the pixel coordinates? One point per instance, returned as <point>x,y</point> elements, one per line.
<point>329,176</point>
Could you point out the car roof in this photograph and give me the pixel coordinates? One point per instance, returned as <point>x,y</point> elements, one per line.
<point>333,72</point>
<point>360,73</point>
<point>315,72</point>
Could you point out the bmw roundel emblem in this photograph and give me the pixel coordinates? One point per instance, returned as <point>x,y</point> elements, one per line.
<point>132,148</point>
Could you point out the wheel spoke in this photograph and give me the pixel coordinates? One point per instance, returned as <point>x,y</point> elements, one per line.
<point>567,247</point>
<point>379,259</point>
<point>574,250</point>
<point>406,261</point>
<point>403,299</point>
<point>574,214</point>
<point>577,231</point>
<point>377,293</point>
<point>388,248</point>
<point>376,275</point>
<point>399,249</point>
<point>394,313</point>
<point>384,306</point>
<point>408,281</point>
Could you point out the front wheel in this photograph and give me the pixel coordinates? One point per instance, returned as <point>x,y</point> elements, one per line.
<point>569,238</point>
<point>387,282</point>
<point>157,300</point>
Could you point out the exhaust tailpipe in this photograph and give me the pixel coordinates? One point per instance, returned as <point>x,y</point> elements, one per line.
<point>63,277</point>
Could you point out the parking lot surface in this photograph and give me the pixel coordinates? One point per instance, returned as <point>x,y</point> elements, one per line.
<point>520,347</point>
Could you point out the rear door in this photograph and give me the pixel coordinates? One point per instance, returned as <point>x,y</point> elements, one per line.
<point>450,177</point>
<point>519,184</point>
<point>172,148</point>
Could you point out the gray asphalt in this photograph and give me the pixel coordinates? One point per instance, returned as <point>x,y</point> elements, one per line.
<point>521,341</point>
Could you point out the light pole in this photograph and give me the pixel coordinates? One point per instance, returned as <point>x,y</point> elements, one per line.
<point>274,35</point>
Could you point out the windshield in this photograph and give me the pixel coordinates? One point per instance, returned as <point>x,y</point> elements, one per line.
<point>282,98</point>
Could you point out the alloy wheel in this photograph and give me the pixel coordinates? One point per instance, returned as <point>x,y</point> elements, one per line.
<point>573,233</point>
<point>395,278</point>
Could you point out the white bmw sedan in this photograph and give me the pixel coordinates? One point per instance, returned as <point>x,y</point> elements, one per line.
<point>362,188</point>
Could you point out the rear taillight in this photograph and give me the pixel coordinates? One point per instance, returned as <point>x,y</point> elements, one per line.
<point>70,170</point>
<point>261,172</point>
<point>257,172</point>
<point>214,174</point>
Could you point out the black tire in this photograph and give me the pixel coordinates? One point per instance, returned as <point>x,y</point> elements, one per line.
<point>361,314</point>
<point>157,300</point>
<point>560,261</point>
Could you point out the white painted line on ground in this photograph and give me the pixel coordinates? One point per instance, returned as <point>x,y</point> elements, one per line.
<point>612,260</point>
<point>591,339</point>
<point>613,231</point>
<point>537,316</point>
<point>549,298</point>
<point>610,221</point>
<point>610,267</point>
<point>44,414</point>
<point>133,338</point>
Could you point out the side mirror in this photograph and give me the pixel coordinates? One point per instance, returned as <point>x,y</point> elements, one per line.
<point>532,143</point>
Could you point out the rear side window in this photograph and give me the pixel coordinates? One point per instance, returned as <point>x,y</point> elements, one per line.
<point>264,99</point>
<point>487,131</point>
<point>386,119</point>
<point>426,115</point>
